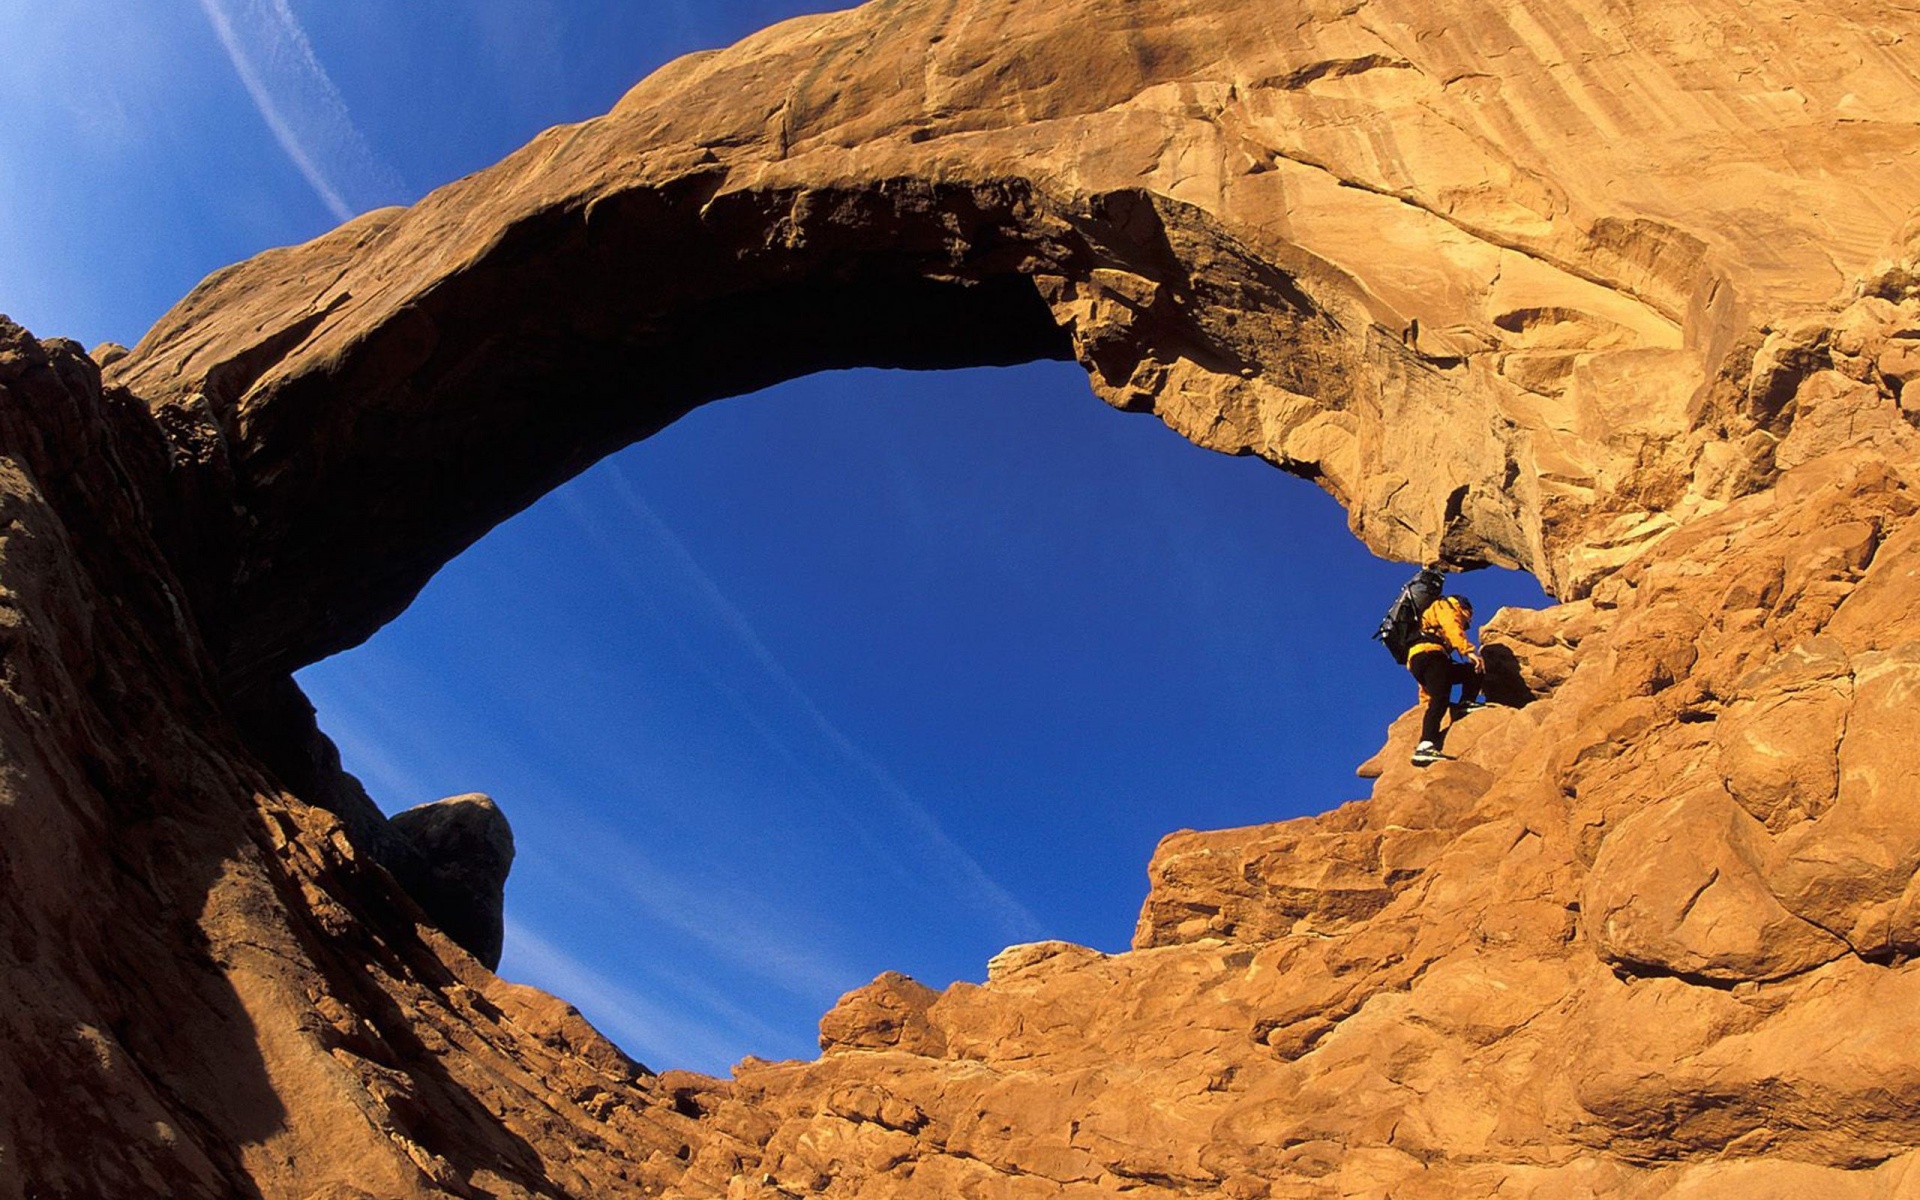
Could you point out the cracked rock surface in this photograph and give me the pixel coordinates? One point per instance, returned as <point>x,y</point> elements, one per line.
<point>1625,295</point>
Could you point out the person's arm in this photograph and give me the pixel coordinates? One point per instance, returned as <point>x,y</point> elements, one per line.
<point>1453,628</point>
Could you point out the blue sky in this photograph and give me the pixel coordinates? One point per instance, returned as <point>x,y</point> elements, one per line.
<point>874,670</point>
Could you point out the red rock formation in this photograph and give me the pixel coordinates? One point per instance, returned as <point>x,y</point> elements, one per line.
<point>1543,285</point>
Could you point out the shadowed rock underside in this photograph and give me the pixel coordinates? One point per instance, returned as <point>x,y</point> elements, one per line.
<point>1626,296</point>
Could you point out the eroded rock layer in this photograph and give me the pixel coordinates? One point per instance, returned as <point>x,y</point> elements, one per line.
<point>1625,295</point>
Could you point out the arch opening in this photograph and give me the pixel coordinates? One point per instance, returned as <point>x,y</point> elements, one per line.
<point>875,670</point>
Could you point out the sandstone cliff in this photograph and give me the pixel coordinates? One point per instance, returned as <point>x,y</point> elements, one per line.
<point>1627,296</point>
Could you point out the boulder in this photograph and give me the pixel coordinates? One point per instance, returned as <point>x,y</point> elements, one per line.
<point>467,848</point>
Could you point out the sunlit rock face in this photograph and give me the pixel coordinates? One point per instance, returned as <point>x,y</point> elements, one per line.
<point>1625,296</point>
<point>1491,274</point>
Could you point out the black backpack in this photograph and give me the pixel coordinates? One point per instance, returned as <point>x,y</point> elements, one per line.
<point>1400,628</point>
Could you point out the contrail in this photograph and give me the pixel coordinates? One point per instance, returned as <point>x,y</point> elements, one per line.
<point>643,1027</point>
<point>738,928</point>
<point>985,892</point>
<point>296,98</point>
<point>613,557</point>
<point>363,712</point>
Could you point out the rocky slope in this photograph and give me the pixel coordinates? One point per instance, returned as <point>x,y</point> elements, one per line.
<point>1624,295</point>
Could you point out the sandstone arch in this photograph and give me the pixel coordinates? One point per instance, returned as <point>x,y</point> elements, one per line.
<point>1310,241</point>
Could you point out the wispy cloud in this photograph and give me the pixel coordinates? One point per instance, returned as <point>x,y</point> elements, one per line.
<point>751,934</point>
<point>828,799</point>
<point>368,747</point>
<point>641,1025</point>
<point>939,856</point>
<point>298,101</point>
<point>372,708</point>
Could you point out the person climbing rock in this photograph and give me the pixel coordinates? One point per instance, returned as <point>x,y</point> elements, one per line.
<point>1430,659</point>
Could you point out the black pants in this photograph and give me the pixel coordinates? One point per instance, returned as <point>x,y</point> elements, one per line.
<point>1437,673</point>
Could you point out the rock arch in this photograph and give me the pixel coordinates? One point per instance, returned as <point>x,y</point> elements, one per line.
<point>1375,269</point>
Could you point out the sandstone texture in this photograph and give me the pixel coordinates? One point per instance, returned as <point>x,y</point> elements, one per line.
<point>1628,295</point>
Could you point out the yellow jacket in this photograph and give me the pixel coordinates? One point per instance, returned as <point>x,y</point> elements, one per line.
<point>1442,627</point>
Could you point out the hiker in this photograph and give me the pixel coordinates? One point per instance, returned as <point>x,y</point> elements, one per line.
<point>1442,634</point>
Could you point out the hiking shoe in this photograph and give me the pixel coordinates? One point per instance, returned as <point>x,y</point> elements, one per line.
<point>1471,706</point>
<point>1426,753</point>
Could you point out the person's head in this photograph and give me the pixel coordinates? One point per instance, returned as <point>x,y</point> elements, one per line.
<point>1466,607</point>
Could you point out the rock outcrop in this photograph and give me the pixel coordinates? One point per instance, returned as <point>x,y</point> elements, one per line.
<point>467,846</point>
<point>1627,296</point>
